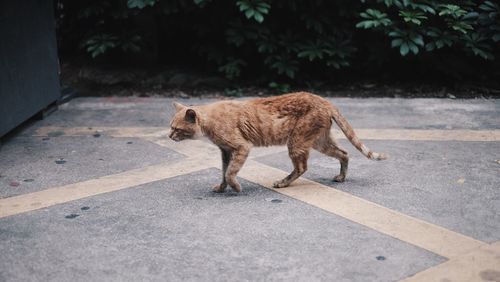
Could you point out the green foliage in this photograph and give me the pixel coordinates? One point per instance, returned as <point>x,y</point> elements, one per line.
<point>232,68</point>
<point>283,39</point>
<point>374,18</point>
<point>141,4</point>
<point>406,41</point>
<point>255,9</point>
<point>414,17</point>
<point>236,92</point>
<point>100,43</point>
<point>433,25</point>
<point>280,87</point>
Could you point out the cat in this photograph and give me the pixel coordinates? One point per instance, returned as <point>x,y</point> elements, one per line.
<point>299,120</point>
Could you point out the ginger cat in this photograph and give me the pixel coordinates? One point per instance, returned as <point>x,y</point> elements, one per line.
<point>299,120</point>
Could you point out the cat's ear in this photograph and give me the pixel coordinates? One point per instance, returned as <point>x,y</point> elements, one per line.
<point>190,116</point>
<point>178,106</point>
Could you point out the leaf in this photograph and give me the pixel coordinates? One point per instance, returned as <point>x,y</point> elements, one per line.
<point>201,3</point>
<point>243,5</point>
<point>396,42</point>
<point>140,4</point>
<point>364,24</point>
<point>404,49</point>
<point>374,18</point>
<point>396,33</point>
<point>417,39</point>
<point>258,17</point>
<point>249,13</point>
<point>432,33</point>
<point>262,10</point>
<point>430,46</point>
<point>413,47</point>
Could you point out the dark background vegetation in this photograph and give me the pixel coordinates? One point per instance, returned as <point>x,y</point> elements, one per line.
<point>282,44</point>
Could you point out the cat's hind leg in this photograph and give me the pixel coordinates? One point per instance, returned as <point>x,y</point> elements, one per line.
<point>226,156</point>
<point>327,145</point>
<point>306,132</point>
<point>238,158</point>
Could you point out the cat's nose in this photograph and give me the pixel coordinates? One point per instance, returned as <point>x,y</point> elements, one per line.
<point>172,136</point>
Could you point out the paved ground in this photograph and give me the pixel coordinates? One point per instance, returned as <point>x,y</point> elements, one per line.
<point>97,192</point>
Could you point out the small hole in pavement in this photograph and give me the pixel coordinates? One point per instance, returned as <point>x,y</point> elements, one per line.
<point>273,200</point>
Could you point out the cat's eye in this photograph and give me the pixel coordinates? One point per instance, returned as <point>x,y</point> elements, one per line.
<point>181,131</point>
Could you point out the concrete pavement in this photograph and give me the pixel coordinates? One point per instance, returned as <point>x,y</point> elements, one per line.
<point>96,191</point>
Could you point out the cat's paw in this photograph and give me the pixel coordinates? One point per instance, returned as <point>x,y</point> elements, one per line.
<point>280,184</point>
<point>219,188</point>
<point>233,183</point>
<point>236,187</point>
<point>339,178</point>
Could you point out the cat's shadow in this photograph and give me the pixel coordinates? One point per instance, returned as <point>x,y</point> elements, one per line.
<point>226,194</point>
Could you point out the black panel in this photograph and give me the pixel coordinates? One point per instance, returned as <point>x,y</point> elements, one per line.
<point>29,79</point>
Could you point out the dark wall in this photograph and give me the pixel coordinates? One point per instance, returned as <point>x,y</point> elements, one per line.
<point>29,79</point>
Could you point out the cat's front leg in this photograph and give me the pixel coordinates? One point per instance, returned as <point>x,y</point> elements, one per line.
<point>226,157</point>
<point>238,158</point>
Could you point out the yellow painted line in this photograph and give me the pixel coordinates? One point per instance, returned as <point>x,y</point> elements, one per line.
<point>109,131</point>
<point>482,264</point>
<point>417,232</point>
<point>193,148</point>
<point>367,134</point>
<point>200,148</point>
<point>53,196</point>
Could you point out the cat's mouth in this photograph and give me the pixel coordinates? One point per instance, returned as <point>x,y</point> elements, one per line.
<point>172,136</point>
<point>175,138</point>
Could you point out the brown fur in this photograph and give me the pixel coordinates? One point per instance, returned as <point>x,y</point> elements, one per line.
<point>299,120</point>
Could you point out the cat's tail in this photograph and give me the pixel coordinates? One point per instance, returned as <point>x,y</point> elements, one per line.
<point>351,135</point>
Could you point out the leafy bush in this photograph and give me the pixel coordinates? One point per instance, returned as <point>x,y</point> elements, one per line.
<point>415,26</point>
<point>278,40</point>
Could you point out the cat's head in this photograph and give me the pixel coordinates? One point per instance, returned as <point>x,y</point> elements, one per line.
<point>184,124</point>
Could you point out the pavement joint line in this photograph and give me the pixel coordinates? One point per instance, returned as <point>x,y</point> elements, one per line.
<point>363,133</point>
<point>127,179</point>
<point>481,264</point>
